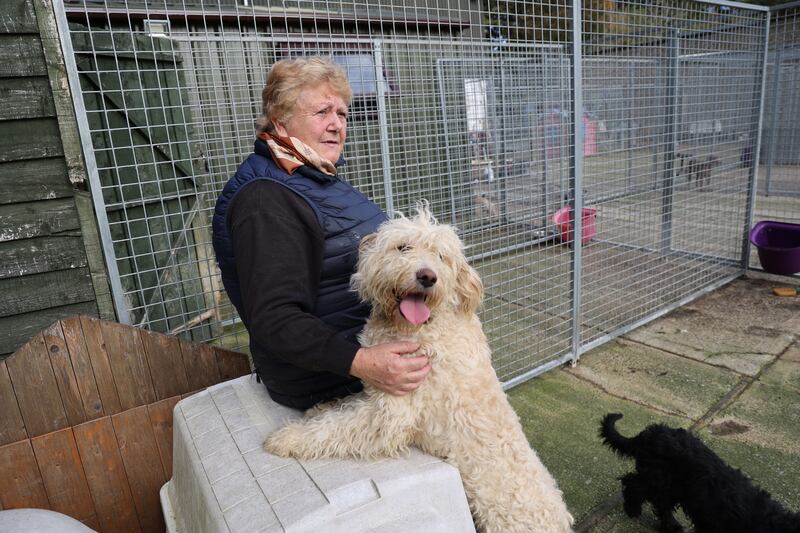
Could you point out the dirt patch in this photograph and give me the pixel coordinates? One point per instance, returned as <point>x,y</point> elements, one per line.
<point>728,427</point>
<point>683,312</point>
<point>763,332</point>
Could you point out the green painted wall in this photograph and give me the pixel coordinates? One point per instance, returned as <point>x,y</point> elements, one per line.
<point>46,224</point>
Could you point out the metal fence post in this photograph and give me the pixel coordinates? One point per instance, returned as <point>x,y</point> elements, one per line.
<point>383,125</point>
<point>576,179</point>
<point>776,83</point>
<point>443,107</point>
<point>103,227</point>
<point>753,181</point>
<point>670,137</point>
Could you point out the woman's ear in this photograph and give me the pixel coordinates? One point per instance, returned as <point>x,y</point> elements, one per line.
<point>469,288</point>
<point>279,129</point>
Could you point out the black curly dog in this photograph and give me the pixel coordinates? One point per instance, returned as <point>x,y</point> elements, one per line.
<point>673,467</point>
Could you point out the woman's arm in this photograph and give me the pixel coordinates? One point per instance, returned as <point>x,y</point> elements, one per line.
<point>278,245</point>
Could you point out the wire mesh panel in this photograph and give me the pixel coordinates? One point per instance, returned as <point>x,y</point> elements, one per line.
<point>468,104</point>
<point>779,174</point>
<point>672,101</point>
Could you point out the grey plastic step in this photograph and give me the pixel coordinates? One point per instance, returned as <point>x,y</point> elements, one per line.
<point>224,481</point>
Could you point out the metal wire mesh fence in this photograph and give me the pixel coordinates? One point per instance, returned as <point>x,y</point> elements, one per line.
<point>499,113</point>
<point>779,174</point>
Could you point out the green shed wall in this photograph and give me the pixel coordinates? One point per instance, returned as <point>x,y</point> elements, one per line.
<point>50,260</point>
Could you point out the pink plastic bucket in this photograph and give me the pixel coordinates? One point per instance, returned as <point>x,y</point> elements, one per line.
<point>562,222</point>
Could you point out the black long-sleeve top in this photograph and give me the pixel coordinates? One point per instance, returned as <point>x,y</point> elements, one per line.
<point>278,244</point>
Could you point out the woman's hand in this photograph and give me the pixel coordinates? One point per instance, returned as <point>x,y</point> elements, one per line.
<point>386,367</point>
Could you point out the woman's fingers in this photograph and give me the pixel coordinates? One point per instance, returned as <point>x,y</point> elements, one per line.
<point>387,367</point>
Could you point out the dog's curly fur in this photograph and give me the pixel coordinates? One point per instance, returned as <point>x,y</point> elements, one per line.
<point>674,468</point>
<point>460,412</point>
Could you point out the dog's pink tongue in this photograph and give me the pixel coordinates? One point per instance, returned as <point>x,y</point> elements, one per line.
<point>414,309</point>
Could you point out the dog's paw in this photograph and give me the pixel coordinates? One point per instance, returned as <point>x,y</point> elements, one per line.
<point>286,442</point>
<point>632,508</point>
<point>320,408</point>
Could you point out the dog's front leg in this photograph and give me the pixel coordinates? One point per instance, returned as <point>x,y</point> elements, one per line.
<point>633,492</point>
<point>357,428</point>
<point>666,519</point>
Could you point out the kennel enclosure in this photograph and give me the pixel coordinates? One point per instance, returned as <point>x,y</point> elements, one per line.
<point>499,113</point>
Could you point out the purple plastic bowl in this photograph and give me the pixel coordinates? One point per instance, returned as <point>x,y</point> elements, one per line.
<point>778,246</point>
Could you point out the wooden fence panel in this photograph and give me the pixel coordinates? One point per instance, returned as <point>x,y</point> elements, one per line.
<point>108,482</point>
<point>231,364</point>
<point>62,473</point>
<point>203,362</point>
<point>12,428</point>
<point>35,385</point>
<point>139,451</point>
<point>22,483</point>
<point>56,347</point>
<point>129,365</point>
<point>106,472</point>
<point>166,364</point>
<point>101,366</point>
<point>161,418</point>
<point>82,366</point>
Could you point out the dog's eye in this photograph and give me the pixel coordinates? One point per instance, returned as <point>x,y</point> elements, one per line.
<point>403,248</point>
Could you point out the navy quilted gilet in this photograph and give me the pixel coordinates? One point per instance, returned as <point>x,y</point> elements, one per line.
<point>344,214</point>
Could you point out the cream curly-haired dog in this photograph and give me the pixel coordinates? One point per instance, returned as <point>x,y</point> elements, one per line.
<point>414,274</point>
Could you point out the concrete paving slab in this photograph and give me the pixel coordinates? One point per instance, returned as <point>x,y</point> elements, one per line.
<point>773,470</point>
<point>661,381</point>
<point>749,301</point>
<point>793,353</point>
<point>767,413</point>
<point>693,333</point>
<point>729,361</point>
<point>618,522</point>
<point>784,374</point>
<point>561,416</point>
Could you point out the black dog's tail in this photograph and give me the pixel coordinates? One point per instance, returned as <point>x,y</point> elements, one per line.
<point>611,437</point>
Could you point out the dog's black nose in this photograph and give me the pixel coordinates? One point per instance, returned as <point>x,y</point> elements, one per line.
<point>426,277</point>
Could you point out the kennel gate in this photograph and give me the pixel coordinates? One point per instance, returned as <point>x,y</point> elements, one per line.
<point>779,177</point>
<point>471,105</point>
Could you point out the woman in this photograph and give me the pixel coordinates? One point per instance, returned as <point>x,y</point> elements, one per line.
<point>286,234</point>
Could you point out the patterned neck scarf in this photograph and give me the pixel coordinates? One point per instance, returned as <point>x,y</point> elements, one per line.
<point>290,153</point>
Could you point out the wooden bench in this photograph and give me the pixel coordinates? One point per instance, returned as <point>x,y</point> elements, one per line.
<point>86,419</point>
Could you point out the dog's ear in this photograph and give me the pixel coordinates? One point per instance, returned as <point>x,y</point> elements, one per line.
<point>358,277</point>
<point>469,288</point>
<point>366,242</point>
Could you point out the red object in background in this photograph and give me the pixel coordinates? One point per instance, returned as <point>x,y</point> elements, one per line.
<point>562,220</point>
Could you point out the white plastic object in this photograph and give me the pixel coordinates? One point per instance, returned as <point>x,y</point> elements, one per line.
<point>39,521</point>
<point>224,481</point>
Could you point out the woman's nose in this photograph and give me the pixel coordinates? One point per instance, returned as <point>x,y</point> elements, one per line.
<point>336,123</point>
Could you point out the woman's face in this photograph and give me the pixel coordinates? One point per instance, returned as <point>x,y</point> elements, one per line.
<point>319,120</point>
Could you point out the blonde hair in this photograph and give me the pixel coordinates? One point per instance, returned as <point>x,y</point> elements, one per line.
<point>288,78</point>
